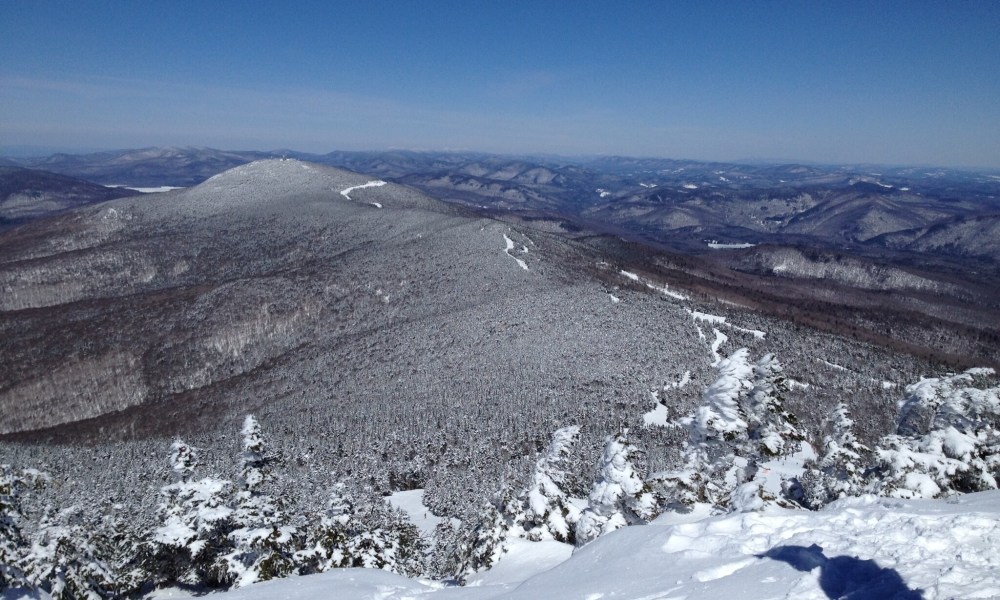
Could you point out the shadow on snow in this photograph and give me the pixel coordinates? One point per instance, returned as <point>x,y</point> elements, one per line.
<point>846,576</point>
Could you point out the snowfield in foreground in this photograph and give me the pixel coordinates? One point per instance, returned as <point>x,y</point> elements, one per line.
<point>857,548</point>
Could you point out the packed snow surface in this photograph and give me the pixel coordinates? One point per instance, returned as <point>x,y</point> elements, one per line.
<point>412,503</point>
<point>864,547</point>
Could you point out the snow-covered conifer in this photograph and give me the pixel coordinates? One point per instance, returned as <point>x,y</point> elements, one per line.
<point>386,539</point>
<point>947,439</point>
<point>771,427</point>
<point>188,544</point>
<point>12,542</point>
<point>480,546</point>
<point>619,497</point>
<point>841,467</point>
<point>264,543</point>
<point>711,464</point>
<point>329,538</point>
<point>547,512</point>
<point>722,417</point>
<point>63,560</point>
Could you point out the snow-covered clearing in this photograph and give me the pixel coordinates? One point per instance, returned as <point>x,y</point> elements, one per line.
<point>739,246</point>
<point>510,246</point>
<point>147,190</point>
<point>663,290</point>
<point>412,503</point>
<point>155,190</point>
<point>666,291</point>
<point>718,320</point>
<point>864,547</point>
<point>658,417</point>
<point>346,193</point>
<point>834,366</point>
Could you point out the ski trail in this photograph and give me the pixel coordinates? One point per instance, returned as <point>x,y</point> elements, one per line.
<point>376,183</point>
<point>510,246</point>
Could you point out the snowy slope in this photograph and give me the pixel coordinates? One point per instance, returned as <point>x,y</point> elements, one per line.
<point>859,548</point>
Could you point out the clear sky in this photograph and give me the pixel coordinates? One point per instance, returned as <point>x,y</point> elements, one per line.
<point>865,81</point>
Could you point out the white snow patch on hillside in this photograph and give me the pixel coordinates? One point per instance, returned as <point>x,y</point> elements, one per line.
<point>717,320</point>
<point>738,246</point>
<point>412,503</point>
<point>630,275</point>
<point>855,548</point>
<point>795,384</point>
<point>659,416</point>
<point>689,186</point>
<point>510,246</point>
<point>347,191</point>
<point>833,365</point>
<point>777,471</point>
<point>666,291</point>
<point>155,190</point>
<point>700,316</point>
<point>683,381</point>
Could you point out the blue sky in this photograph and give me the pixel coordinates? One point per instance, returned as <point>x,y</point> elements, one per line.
<point>900,83</point>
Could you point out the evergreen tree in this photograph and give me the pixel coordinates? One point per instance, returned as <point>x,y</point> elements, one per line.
<point>188,545</point>
<point>771,428</point>
<point>619,497</point>
<point>119,543</point>
<point>713,462</point>
<point>388,540</point>
<point>479,546</point>
<point>12,542</point>
<point>264,543</point>
<point>840,470</point>
<point>947,439</point>
<point>546,511</point>
<point>63,560</point>
<point>331,537</point>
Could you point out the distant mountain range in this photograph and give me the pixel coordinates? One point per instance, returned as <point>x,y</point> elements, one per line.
<point>678,204</point>
<point>26,194</point>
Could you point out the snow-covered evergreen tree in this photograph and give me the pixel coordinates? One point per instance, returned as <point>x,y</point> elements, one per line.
<point>546,510</point>
<point>771,428</point>
<point>387,540</point>
<point>188,545</point>
<point>482,542</point>
<point>840,469</point>
<point>264,542</point>
<point>64,562</point>
<point>712,465</point>
<point>947,439</point>
<point>619,497</point>
<point>12,542</point>
<point>722,419</point>
<point>329,536</point>
<point>118,541</point>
